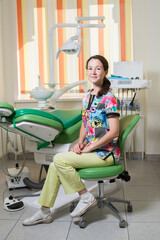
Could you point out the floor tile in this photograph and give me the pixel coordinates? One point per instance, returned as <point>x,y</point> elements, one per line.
<point>62,214</point>
<point>5,227</point>
<point>144,179</point>
<point>144,211</point>
<point>54,230</point>
<point>144,231</point>
<point>144,222</point>
<point>4,215</point>
<point>146,193</point>
<point>98,230</point>
<point>156,165</point>
<point>140,166</point>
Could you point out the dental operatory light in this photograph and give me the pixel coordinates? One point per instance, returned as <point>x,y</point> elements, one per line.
<point>71,46</point>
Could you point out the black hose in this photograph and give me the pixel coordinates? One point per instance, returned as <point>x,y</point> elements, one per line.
<point>33,185</point>
<point>132,102</point>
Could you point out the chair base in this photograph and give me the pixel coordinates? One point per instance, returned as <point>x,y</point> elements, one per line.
<point>102,202</point>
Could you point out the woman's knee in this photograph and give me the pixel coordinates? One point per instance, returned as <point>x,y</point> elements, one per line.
<point>58,159</point>
<point>62,159</point>
<point>51,167</point>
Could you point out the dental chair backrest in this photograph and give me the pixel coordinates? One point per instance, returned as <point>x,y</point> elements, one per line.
<point>128,124</point>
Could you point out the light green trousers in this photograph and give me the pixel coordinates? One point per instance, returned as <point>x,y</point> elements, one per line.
<point>63,171</point>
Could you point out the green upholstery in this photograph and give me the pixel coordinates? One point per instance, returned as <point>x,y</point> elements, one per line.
<point>68,117</point>
<point>100,172</point>
<point>6,105</point>
<point>34,112</point>
<point>6,109</point>
<point>68,122</point>
<point>68,135</point>
<point>126,125</point>
<point>40,120</point>
<point>65,117</point>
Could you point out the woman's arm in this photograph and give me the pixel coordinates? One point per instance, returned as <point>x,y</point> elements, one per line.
<point>82,134</point>
<point>108,137</point>
<point>77,148</point>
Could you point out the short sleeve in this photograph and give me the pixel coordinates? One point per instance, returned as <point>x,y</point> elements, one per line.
<point>111,106</point>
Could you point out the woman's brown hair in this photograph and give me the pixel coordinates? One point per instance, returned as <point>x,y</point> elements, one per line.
<point>106,83</point>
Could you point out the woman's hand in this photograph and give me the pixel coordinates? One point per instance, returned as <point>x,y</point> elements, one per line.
<point>87,149</point>
<point>77,148</point>
<point>81,148</point>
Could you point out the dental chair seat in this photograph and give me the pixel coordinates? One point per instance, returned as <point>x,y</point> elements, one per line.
<point>101,172</point>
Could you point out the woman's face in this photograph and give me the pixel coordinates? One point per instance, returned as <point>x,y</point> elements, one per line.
<point>96,72</point>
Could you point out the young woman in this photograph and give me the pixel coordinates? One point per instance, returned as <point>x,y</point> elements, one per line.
<point>97,146</point>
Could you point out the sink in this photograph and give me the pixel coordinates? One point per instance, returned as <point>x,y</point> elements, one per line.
<point>41,95</point>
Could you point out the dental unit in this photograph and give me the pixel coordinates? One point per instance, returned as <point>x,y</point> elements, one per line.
<point>48,133</point>
<point>45,133</point>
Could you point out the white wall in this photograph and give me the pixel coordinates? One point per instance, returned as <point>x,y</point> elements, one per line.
<point>1,58</point>
<point>8,41</point>
<point>146,34</point>
<point>146,40</point>
<point>153,98</point>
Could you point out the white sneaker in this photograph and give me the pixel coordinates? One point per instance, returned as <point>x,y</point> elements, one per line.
<point>38,218</point>
<point>83,206</point>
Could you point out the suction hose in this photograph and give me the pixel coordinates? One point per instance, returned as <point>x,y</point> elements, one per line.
<point>33,185</point>
<point>132,102</point>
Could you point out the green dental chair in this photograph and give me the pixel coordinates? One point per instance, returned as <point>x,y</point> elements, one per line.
<point>46,133</point>
<point>128,125</point>
<point>63,127</point>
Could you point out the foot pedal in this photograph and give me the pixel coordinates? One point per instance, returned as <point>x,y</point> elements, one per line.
<point>12,204</point>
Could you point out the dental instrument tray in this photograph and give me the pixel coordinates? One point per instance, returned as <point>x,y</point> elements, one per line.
<point>127,83</point>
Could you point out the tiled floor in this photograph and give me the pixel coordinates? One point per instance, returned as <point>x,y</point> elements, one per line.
<point>143,223</point>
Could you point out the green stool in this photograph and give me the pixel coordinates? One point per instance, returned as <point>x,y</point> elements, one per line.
<point>128,125</point>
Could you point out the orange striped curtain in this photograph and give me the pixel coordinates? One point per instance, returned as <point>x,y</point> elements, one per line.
<point>34,19</point>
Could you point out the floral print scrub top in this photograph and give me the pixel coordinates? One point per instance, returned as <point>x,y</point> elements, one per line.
<point>95,114</point>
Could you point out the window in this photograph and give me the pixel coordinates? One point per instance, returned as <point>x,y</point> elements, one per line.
<point>34,19</point>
